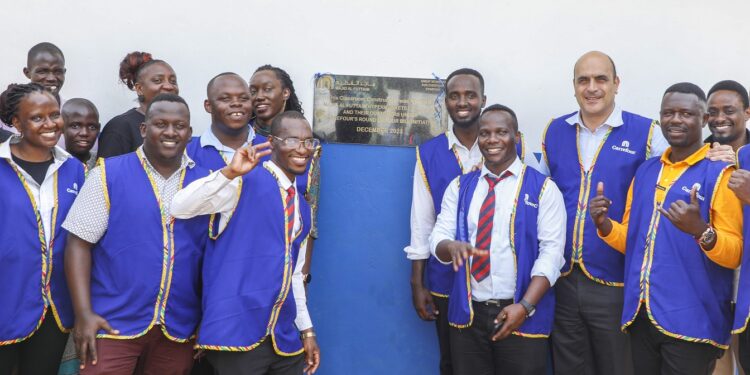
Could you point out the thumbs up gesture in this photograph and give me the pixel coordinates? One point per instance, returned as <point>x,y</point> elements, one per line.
<point>686,216</point>
<point>599,210</point>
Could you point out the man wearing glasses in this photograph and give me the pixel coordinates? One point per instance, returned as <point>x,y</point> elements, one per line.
<point>255,317</point>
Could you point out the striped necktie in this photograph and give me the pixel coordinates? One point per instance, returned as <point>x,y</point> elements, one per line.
<point>289,213</point>
<point>480,266</point>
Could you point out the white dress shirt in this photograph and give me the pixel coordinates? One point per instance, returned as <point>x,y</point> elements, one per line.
<point>217,194</point>
<point>501,283</point>
<point>422,209</point>
<point>44,194</point>
<point>589,141</point>
<point>208,138</point>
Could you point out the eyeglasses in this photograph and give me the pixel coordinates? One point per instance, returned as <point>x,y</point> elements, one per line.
<point>293,142</point>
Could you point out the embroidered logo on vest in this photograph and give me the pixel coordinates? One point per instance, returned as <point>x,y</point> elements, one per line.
<point>625,147</point>
<point>697,187</point>
<point>526,201</point>
<point>74,190</point>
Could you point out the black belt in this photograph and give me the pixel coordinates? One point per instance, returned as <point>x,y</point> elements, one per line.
<point>495,302</point>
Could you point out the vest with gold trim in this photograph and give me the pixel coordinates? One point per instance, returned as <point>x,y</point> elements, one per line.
<point>525,246</point>
<point>687,295</point>
<point>32,276</point>
<point>247,274</point>
<point>145,271</point>
<point>742,309</point>
<point>625,148</point>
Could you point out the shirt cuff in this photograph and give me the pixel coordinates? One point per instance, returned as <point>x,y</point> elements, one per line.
<point>543,268</point>
<point>417,253</point>
<point>616,238</point>
<point>81,233</point>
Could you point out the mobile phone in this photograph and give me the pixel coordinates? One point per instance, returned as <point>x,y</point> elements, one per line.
<point>498,327</point>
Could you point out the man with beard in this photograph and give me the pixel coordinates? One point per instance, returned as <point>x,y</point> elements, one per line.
<point>608,144</point>
<point>681,235</point>
<point>439,161</point>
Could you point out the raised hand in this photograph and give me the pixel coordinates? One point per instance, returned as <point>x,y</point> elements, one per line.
<point>245,159</point>
<point>686,216</point>
<point>739,183</point>
<point>461,251</point>
<point>599,210</point>
<point>721,153</point>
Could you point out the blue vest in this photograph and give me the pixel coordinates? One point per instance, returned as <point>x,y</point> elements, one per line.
<point>687,296</point>
<point>625,148</point>
<point>247,274</point>
<point>525,246</point>
<point>206,157</point>
<point>32,279</point>
<point>144,271</point>
<point>742,309</point>
<point>439,166</point>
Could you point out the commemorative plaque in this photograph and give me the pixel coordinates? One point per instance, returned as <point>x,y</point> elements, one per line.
<point>378,110</point>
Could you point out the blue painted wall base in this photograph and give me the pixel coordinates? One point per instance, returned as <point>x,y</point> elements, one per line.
<point>359,299</point>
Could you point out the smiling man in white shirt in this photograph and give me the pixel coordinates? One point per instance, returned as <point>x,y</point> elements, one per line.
<point>506,254</point>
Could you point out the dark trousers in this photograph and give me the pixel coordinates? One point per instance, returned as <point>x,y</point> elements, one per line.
<point>744,350</point>
<point>40,354</point>
<point>262,360</point>
<point>657,353</point>
<point>586,337</point>
<point>150,354</point>
<point>443,335</point>
<point>474,353</point>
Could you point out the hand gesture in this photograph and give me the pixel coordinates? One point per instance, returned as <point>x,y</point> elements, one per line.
<point>721,153</point>
<point>599,210</point>
<point>739,183</point>
<point>245,159</point>
<point>84,336</point>
<point>312,355</point>
<point>686,217</point>
<point>461,251</point>
<point>422,301</point>
<point>512,316</point>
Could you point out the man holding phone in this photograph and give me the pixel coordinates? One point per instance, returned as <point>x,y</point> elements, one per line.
<point>505,260</point>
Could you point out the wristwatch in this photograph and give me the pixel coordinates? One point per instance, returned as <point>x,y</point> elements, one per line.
<point>530,309</point>
<point>306,278</point>
<point>706,237</point>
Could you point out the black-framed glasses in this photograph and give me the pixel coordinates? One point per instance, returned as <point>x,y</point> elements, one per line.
<point>293,142</point>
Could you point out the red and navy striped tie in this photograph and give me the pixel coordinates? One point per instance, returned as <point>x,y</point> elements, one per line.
<point>289,213</point>
<point>480,266</point>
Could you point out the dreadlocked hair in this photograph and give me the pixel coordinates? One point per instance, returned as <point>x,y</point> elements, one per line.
<point>293,103</point>
<point>12,96</point>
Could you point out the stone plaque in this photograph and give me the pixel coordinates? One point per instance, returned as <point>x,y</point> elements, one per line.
<point>378,110</point>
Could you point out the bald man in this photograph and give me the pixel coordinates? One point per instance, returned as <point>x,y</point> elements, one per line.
<point>597,143</point>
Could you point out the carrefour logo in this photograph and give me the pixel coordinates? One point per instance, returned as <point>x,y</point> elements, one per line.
<point>624,147</point>
<point>526,201</point>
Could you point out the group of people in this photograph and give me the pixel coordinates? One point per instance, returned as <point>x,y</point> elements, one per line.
<point>148,250</point>
<point>616,252</point>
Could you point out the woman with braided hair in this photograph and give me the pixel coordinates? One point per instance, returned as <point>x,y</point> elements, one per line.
<point>38,182</point>
<point>148,77</point>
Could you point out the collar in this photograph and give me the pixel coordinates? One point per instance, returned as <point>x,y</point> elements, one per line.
<point>58,153</point>
<point>208,138</point>
<point>614,120</point>
<point>453,140</point>
<point>282,178</point>
<point>690,160</point>
<point>185,162</point>
<point>514,168</point>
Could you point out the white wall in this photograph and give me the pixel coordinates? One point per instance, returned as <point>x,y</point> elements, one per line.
<point>525,50</point>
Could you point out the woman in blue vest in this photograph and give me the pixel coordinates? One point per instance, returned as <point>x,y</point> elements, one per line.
<point>682,237</point>
<point>39,183</point>
<point>500,307</point>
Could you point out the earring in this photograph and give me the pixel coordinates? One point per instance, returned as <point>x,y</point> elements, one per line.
<point>283,107</point>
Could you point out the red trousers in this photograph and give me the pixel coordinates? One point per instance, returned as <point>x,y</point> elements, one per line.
<point>152,354</point>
